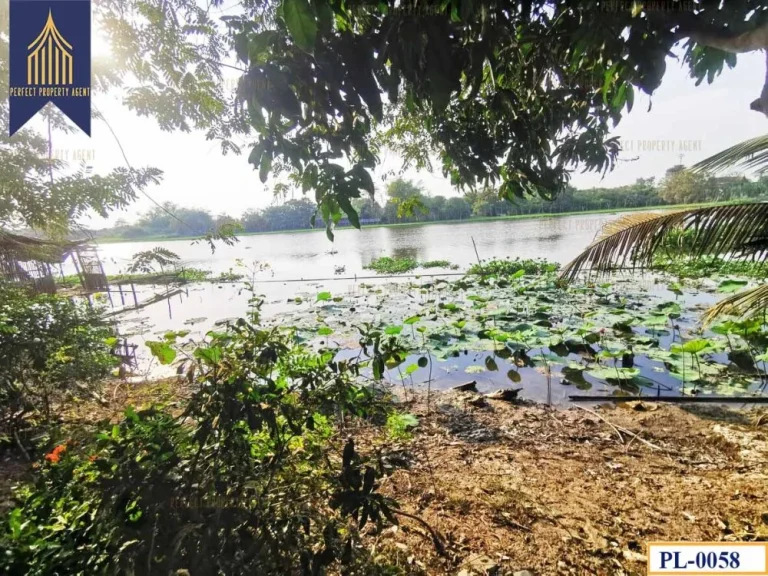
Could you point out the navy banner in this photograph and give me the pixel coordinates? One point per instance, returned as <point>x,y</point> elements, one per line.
<point>50,60</point>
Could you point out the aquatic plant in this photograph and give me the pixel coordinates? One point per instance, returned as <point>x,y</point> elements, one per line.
<point>733,232</point>
<point>439,264</point>
<point>510,267</point>
<point>389,265</point>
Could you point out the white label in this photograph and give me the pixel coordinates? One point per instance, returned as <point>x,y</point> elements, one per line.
<point>707,558</point>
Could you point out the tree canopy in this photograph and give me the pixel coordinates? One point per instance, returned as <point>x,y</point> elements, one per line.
<point>502,93</point>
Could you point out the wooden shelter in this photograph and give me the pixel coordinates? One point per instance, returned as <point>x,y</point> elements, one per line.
<point>33,261</point>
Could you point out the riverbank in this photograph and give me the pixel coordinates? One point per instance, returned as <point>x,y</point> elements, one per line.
<point>509,487</point>
<point>116,240</point>
<point>513,488</point>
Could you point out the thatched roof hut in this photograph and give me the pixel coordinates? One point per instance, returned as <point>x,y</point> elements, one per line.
<point>28,260</point>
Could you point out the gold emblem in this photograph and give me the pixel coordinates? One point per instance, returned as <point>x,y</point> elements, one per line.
<point>49,62</point>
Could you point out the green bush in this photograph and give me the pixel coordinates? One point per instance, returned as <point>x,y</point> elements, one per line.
<point>252,478</point>
<point>49,347</point>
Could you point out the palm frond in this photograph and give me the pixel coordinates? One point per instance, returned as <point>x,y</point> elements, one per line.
<point>742,304</point>
<point>750,154</point>
<point>736,231</point>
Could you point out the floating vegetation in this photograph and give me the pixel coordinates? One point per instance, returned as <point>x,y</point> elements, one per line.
<point>401,265</point>
<point>511,267</point>
<point>517,324</point>
<point>389,265</point>
<point>439,264</point>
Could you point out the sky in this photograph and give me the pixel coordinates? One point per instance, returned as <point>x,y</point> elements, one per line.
<point>684,119</point>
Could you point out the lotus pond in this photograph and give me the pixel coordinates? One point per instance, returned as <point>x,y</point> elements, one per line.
<point>522,329</point>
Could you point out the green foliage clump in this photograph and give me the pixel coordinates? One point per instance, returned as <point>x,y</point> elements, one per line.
<point>389,265</point>
<point>49,346</point>
<point>399,425</point>
<point>510,267</point>
<point>251,479</point>
<point>678,256</point>
<point>695,268</point>
<point>439,264</point>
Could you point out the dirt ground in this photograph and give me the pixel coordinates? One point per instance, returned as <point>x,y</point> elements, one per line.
<point>515,488</point>
<point>525,490</point>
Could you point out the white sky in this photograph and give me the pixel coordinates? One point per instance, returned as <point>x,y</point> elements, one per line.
<point>705,119</point>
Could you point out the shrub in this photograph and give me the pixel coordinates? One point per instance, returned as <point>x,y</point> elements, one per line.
<point>251,479</point>
<point>50,346</point>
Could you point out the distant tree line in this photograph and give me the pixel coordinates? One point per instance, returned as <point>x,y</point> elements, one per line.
<point>407,201</point>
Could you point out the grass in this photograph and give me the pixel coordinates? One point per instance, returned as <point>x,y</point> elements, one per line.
<point>114,239</point>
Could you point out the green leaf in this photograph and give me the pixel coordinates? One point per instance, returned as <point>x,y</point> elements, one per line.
<point>350,211</point>
<point>211,356</point>
<point>729,286</point>
<point>411,368</point>
<point>255,156</point>
<point>696,346</point>
<point>514,375</point>
<point>614,373</point>
<point>162,351</point>
<point>411,320</point>
<point>300,20</point>
<point>490,364</point>
<point>323,296</point>
<point>393,330</point>
<point>423,362</point>
<point>265,167</point>
<point>325,331</point>
<point>408,420</point>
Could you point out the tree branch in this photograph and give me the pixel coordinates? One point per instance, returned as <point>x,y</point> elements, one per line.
<point>736,43</point>
<point>749,41</point>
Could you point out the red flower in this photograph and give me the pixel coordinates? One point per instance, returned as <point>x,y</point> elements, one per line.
<point>55,454</point>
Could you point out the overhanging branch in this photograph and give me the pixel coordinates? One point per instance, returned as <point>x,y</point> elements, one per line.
<point>749,41</point>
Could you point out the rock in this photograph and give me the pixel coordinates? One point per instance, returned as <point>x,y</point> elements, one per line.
<point>479,564</point>
<point>468,387</point>
<point>633,556</point>
<point>522,573</point>
<point>507,394</point>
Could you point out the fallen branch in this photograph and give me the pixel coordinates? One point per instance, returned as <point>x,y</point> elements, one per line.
<point>620,429</point>
<point>615,428</point>
<point>436,538</point>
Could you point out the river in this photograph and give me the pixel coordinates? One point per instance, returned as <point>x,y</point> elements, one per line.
<point>306,264</point>
<point>308,254</point>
